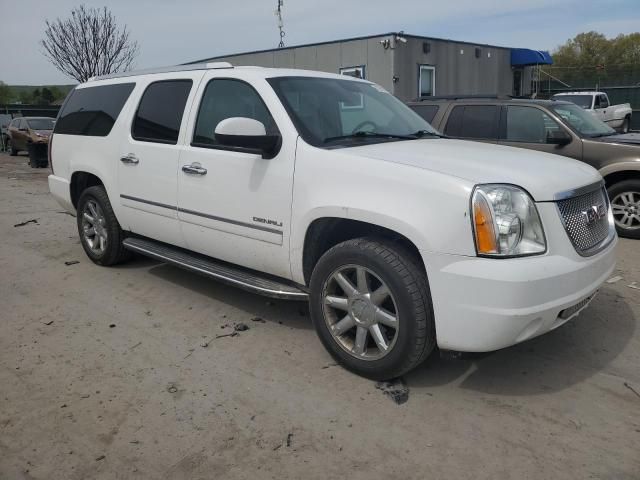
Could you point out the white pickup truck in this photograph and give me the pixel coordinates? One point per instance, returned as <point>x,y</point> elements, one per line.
<point>616,116</point>
<point>311,186</point>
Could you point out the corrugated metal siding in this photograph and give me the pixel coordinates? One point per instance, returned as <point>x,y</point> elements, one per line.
<point>327,58</point>
<point>456,73</point>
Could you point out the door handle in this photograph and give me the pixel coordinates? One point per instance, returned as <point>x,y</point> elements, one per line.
<point>130,159</point>
<point>194,169</point>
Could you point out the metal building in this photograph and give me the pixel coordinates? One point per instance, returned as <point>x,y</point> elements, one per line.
<point>411,66</point>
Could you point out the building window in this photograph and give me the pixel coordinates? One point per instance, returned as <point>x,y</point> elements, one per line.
<point>357,71</point>
<point>427,81</point>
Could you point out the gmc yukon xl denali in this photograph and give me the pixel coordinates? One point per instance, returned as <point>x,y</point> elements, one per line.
<point>310,186</point>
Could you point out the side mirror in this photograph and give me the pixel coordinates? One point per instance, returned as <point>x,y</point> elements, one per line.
<point>247,134</point>
<point>558,137</point>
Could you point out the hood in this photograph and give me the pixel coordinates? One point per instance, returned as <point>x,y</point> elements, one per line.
<point>626,138</point>
<point>541,174</point>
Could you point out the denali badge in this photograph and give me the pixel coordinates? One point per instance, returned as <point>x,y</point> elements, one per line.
<point>267,221</point>
<point>594,213</point>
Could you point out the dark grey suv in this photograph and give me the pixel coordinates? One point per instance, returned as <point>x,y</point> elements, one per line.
<point>550,126</point>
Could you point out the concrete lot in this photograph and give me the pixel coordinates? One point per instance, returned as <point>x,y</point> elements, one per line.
<point>104,373</point>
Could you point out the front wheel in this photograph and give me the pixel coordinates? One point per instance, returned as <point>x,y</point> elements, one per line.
<point>13,150</point>
<point>371,307</point>
<point>100,232</point>
<point>625,204</point>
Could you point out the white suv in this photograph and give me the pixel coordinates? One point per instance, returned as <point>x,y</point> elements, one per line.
<point>311,186</point>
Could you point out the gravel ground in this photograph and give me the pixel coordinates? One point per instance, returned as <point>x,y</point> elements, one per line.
<point>116,373</point>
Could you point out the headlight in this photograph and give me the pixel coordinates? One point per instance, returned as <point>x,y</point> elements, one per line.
<point>506,222</point>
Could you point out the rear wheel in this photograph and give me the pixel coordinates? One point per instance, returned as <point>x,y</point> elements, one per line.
<point>371,306</point>
<point>100,232</point>
<point>626,123</point>
<point>625,204</point>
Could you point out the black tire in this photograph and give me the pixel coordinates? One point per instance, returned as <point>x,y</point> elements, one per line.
<point>12,149</point>
<point>407,282</point>
<point>33,160</point>
<point>114,252</point>
<point>631,185</point>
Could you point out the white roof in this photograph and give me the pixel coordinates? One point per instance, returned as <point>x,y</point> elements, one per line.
<point>578,93</point>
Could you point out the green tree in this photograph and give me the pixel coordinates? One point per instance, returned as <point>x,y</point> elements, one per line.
<point>590,49</point>
<point>25,97</point>
<point>47,96</point>
<point>5,93</point>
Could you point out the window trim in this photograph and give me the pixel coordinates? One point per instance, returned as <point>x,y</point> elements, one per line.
<point>135,115</point>
<point>431,68</point>
<point>228,148</point>
<point>343,70</point>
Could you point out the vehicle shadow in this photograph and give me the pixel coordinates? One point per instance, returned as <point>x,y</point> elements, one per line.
<point>552,362</point>
<point>293,314</point>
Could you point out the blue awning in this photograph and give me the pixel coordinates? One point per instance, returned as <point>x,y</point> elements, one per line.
<point>521,57</point>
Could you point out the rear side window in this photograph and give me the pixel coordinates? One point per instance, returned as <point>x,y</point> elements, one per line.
<point>428,112</point>
<point>473,121</point>
<point>92,111</point>
<point>160,111</point>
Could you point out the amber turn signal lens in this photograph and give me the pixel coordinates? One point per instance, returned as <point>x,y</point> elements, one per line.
<point>486,241</point>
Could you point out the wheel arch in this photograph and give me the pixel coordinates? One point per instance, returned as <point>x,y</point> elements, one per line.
<point>616,176</point>
<point>80,181</point>
<point>324,232</point>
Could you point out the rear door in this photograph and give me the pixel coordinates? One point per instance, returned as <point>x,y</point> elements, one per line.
<point>529,126</point>
<point>473,122</point>
<point>148,161</point>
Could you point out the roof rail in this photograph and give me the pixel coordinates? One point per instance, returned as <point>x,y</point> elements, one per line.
<point>174,68</point>
<point>466,97</point>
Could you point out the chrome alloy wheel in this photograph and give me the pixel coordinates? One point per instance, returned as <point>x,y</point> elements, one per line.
<point>94,231</point>
<point>360,312</point>
<point>626,210</point>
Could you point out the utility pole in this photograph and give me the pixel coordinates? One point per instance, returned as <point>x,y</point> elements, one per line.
<point>278,14</point>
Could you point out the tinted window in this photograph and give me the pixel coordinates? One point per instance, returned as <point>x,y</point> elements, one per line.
<point>160,111</point>
<point>528,124</point>
<point>473,121</point>
<point>428,112</point>
<point>40,123</point>
<point>224,99</point>
<point>93,110</point>
<point>583,101</point>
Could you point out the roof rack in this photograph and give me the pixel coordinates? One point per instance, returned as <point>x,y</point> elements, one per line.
<point>466,97</point>
<point>174,68</point>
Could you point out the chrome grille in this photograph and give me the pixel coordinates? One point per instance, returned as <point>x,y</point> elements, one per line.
<point>585,236</point>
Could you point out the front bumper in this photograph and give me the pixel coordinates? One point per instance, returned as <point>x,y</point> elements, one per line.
<point>484,304</point>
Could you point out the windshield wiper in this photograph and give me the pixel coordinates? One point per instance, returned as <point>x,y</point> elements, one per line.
<point>363,134</point>
<point>426,133</point>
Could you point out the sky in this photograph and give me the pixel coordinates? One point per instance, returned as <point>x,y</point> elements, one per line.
<point>177,31</point>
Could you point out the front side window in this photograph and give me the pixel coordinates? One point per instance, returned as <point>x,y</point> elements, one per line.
<point>586,124</point>
<point>529,124</point>
<point>331,113</point>
<point>603,102</point>
<point>227,98</point>
<point>473,121</point>
<point>357,72</point>
<point>92,111</point>
<point>160,111</point>
<point>427,81</point>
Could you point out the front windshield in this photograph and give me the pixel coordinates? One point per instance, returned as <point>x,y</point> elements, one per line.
<point>330,112</point>
<point>41,123</point>
<point>584,122</point>
<point>583,101</point>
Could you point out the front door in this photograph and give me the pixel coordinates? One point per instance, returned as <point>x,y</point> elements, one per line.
<point>233,205</point>
<point>148,161</point>
<point>530,127</point>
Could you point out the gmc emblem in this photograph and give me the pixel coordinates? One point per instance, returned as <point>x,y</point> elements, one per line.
<point>594,213</point>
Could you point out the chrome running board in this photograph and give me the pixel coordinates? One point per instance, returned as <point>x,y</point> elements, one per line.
<point>246,279</point>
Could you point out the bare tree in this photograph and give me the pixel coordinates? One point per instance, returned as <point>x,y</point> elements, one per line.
<point>88,43</point>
